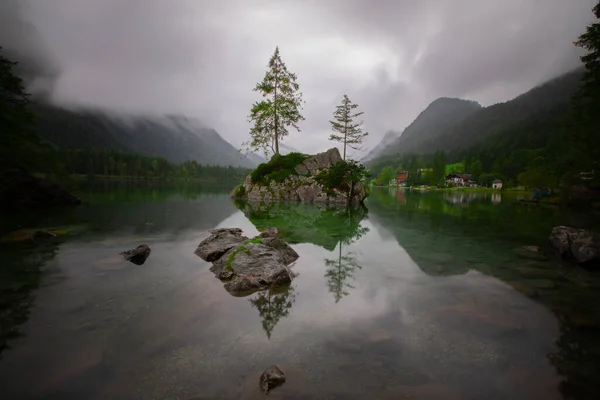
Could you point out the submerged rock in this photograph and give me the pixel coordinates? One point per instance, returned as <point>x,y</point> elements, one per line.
<point>138,255</point>
<point>578,244</point>
<point>247,265</point>
<point>272,377</point>
<point>530,252</point>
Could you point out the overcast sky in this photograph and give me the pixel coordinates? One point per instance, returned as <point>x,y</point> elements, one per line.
<point>393,57</point>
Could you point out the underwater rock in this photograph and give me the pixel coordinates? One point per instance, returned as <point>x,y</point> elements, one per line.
<point>138,255</point>
<point>272,377</point>
<point>578,244</point>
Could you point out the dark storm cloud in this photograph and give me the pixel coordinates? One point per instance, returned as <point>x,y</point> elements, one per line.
<point>393,58</point>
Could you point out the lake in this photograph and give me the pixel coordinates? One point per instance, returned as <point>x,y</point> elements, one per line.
<point>421,295</point>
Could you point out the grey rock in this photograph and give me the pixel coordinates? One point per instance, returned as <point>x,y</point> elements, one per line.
<point>251,268</point>
<point>248,265</point>
<point>328,158</point>
<point>269,232</point>
<point>41,235</point>
<point>289,255</point>
<point>138,255</point>
<point>581,245</point>
<point>301,169</point>
<point>272,377</point>
<point>219,242</point>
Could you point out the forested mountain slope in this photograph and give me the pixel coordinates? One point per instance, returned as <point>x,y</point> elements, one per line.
<point>526,121</point>
<point>436,118</point>
<point>175,138</point>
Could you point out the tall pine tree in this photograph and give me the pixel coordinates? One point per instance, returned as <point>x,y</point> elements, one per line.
<point>587,150</point>
<point>281,109</point>
<point>351,134</point>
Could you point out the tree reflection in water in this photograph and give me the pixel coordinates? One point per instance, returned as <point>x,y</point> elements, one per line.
<point>272,305</point>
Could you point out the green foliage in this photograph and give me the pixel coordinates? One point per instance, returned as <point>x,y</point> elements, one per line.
<point>280,110</point>
<point>385,176</point>
<point>231,259</point>
<point>116,163</point>
<point>537,177</point>
<point>277,168</point>
<point>585,152</point>
<point>438,173</point>
<point>342,175</point>
<point>240,191</point>
<point>475,169</point>
<point>486,179</point>
<point>19,144</point>
<point>351,133</point>
<point>456,168</point>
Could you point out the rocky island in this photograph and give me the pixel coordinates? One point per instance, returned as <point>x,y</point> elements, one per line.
<point>322,178</point>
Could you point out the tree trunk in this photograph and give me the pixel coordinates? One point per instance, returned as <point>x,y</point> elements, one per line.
<point>345,138</point>
<point>276,122</point>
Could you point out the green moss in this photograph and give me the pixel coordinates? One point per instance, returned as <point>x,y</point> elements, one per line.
<point>240,191</point>
<point>278,168</point>
<point>231,259</point>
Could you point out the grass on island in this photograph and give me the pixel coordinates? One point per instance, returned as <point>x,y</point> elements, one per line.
<point>277,168</point>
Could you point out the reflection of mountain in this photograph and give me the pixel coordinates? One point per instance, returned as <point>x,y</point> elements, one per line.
<point>144,209</point>
<point>445,239</point>
<point>19,276</point>
<point>438,230</point>
<point>322,225</point>
<point>272,305</point>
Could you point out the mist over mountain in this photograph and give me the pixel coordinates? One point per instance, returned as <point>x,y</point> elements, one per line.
<point>174,137</point>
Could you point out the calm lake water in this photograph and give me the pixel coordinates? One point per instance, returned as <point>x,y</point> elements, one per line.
<point>422,295</point>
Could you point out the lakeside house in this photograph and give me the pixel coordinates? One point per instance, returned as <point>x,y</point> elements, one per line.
<point>459,180</point>
<point>496,184</point>
<point>401,178</point>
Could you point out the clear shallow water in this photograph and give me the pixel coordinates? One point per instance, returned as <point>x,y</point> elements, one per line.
<point>425,295</point>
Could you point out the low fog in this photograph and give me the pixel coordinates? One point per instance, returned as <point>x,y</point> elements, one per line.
<point>202,58</point>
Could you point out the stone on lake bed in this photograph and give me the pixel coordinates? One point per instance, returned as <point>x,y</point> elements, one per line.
<point>530,252</point>
<point>272,377</point>
<point>138,255</point>
<point>578,244</point>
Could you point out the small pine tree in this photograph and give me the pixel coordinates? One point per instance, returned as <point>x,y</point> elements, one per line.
<point>281,109</point>
<point>351,133</point>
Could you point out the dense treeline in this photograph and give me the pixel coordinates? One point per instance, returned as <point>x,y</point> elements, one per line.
<point>116,163</point>
<point>550,148</point>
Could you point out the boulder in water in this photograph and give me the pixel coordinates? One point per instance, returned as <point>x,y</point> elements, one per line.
<point>272,377</point>
<point>578,244</point>
<point>138,255</point>
<point>219,242</point>
<point>247,265</point>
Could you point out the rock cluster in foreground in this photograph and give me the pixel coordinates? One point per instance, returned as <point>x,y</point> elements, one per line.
<point>302,185</point>
<point>247,265</point>
<point>577,244</point>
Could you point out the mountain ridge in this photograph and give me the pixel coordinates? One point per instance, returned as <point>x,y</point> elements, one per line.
<point>175,137</point>
<point>486,123</point>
